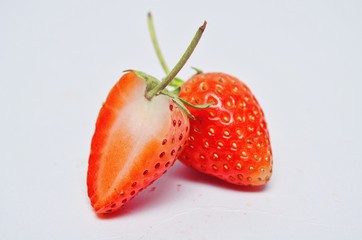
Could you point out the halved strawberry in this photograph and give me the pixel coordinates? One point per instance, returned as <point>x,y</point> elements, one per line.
<point>135,142</point>
<point>141,129</point>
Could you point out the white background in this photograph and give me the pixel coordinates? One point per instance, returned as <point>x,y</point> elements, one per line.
<point>302,59</point>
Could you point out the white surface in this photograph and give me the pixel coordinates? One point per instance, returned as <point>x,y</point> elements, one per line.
<point>302,59</point>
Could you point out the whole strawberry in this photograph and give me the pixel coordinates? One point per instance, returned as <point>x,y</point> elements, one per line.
<point>230,139</point>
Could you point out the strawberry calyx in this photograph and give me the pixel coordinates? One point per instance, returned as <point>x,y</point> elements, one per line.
<point>155,87</point>
<point>152,82</point>
<point>197,70</point>
<point>181,103</point>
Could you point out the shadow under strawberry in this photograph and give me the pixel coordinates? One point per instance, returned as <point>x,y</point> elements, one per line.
<point>161,192</point>
<point>191,175</point>
<point>167,189</point>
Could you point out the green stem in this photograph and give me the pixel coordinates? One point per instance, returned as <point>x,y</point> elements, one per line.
<point>155,91</point>
<point>156,46</point>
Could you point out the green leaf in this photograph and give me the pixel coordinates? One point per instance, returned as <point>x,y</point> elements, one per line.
<point>151,81</point>
<point>181,103</point>
<point>199,106</point>
<point>176,82</point>
<point>198,70</point>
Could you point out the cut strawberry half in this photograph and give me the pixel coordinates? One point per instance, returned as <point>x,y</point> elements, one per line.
<point>141,129</point>
<point>135,142</point>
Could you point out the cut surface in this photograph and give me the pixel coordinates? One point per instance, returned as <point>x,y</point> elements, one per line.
<point>124,134</point>
<point>136,128</point>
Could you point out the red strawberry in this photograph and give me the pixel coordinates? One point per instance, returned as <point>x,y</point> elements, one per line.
<point>230,139</point>
<point>139,133</point>
<point>135,142</point>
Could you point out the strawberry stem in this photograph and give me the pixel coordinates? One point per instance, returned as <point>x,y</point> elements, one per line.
<point>155,44</point>
<point>176,82</point>
<point>172,74</point>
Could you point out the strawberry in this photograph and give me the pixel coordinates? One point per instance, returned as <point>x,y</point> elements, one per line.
<point>140,131</point>
<point>134,143</point>
<point>230,139</point>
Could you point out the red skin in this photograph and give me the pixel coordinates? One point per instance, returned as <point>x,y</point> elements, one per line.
<point>230,139</point>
